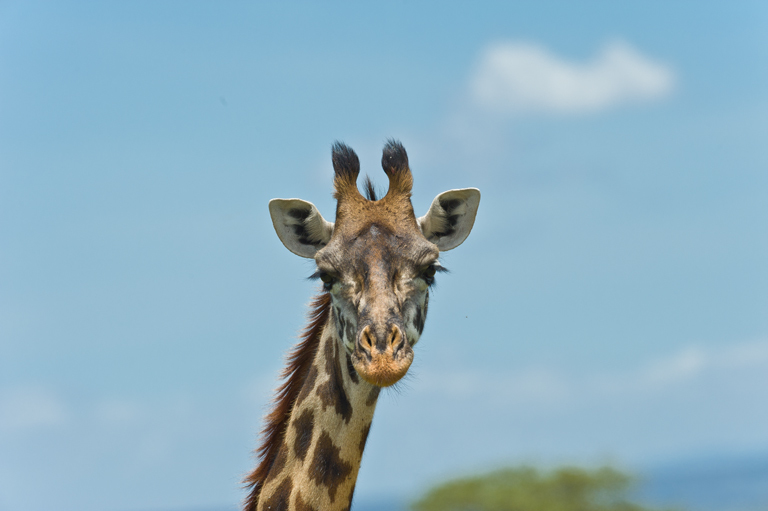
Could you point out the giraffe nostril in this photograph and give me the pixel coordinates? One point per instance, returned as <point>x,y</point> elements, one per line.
<point>372,344</point>
<point>366,340</point>
<point>398,347</point>
<point>395,340</point>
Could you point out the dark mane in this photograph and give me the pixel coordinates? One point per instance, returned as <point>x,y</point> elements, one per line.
<point>299,361</point>
<point>370,191</point>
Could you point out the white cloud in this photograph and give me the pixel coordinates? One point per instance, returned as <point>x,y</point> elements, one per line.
<point>115,411</point>
<point>682,366</point>
<point>693,361</point>
<point>549,386</point>
<point>524,77</point>
<point>25,408</point>
<point>526,385</point>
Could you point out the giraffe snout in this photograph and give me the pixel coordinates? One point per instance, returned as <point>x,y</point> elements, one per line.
<point>382,356</point>
<point>391,338</point>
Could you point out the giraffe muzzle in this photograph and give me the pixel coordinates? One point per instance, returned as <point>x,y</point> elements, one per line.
<point>382,360</point>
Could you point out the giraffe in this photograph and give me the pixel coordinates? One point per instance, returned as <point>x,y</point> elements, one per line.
<point>376,264</point>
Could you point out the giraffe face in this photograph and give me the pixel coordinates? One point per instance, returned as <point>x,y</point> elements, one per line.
<point>378,275</point>
<point>377,260</point>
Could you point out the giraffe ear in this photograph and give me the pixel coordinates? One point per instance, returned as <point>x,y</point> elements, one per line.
<point>450,218</point>
<point>300,226</point>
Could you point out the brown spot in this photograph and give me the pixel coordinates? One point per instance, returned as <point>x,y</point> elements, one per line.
<point>302,505</point>
<point>364,438</point>
<point>328,469</point>
<point>309,385</point>
<point>278,501</point>
<point>304,426</point>
<point>279,464</point>
<point>332,392</point>
<point>419,321</point>
<point>351,370</point>
<point>373,396</point>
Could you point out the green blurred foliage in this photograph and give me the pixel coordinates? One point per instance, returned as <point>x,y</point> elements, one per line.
<point>528,489</point>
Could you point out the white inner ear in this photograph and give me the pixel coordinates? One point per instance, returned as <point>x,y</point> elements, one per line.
<point>300,226</point>
<point>450,218</point>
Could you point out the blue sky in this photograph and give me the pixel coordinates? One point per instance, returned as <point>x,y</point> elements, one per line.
<point>611,303</point>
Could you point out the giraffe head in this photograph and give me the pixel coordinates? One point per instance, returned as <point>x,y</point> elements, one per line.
<point>378,260</point>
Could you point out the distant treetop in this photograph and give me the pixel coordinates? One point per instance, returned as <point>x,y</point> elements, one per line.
<point>528,489</point>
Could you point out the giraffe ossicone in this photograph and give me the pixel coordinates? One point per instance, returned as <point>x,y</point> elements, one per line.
<point>376,263</point>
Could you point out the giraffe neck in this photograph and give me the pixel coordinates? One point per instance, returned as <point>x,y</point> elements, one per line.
<point>316,464</point>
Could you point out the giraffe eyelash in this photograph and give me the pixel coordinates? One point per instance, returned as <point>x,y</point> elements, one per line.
<point>439,268</point>
<point>429,276</point>
<point>328,279</point>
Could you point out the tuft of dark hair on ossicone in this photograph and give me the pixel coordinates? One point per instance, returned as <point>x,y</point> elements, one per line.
<point>346,167</point>
<point>345,161</point>
<point>394,161</point>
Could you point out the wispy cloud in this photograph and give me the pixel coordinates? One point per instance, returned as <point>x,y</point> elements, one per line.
<point>549,385</point>
<point>693,361</point>
<point>116,411</point>
<point>525,385</point>
<point>23,409</point>
<point>514,77</point>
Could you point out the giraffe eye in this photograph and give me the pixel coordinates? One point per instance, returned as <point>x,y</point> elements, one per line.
<point>327,280</point>
<point>428,274</point>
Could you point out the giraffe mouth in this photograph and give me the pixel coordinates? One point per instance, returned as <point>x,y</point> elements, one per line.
<point>382,358</point>
<point>382,365</point>
<point>383,369</point>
